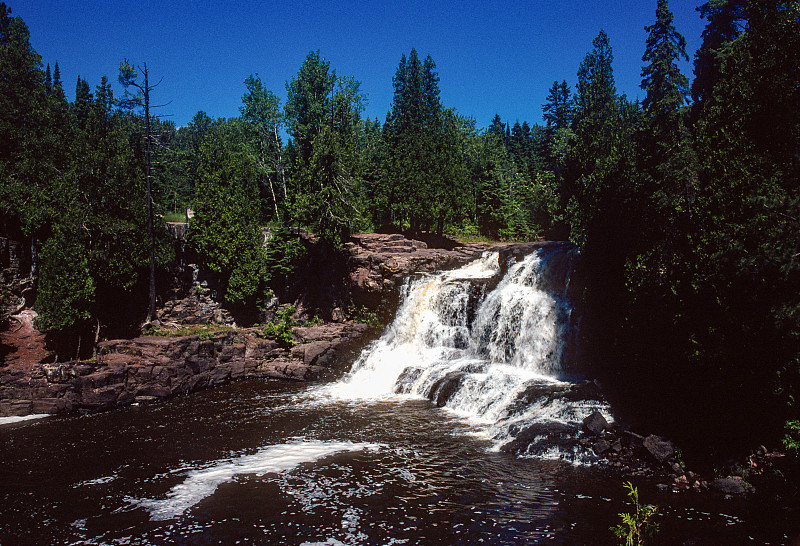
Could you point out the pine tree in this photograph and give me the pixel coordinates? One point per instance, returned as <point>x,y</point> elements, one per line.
<point>25,169</point>
<point>600,190</point>
<point>558,108</point>
<point>668,158</point>
<point>323,114</point>
<point>58,88</point>
<point>307,103</point>
<point>225,230</point>
<point>414,135</point>
<point>82,104</point>
<point>725,18</point>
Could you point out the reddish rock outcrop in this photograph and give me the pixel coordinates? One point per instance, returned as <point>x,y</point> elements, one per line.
<point>379,264</point>
<point>153,368</point>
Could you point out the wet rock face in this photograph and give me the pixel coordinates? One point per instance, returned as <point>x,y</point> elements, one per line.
<point>153,368</point>
<point>595,423</point>
<point>379,264</point>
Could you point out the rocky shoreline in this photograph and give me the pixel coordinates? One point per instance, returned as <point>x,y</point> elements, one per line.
<point>152,368</point>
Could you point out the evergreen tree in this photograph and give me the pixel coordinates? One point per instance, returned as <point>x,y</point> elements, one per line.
<point>497,128</point>
<point>307,104</point>
<point>323,113</point>
<point>725,21</point>
<point>66,293</point>
<point>417,158</point>
<point>58,87</point>
<point>601,188</point>
<point>82,104</point>
<point>225,230</point>
<point>24,168</point>
<point>373,156</point>
<point>668,160</point>
<point>558,108</point>
<point>595,196</point>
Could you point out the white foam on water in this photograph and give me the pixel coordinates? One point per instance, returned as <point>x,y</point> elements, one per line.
<point>491,354</point>
<point>20,418</point>
<point>202,483</point>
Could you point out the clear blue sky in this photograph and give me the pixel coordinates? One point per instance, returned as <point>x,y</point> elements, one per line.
<point>492,56</point>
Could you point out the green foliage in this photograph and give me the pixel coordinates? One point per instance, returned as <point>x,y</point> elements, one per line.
<point>791,440</point>
<point>280,328</point>
<point>638,526</point>
<point>323,115</point>
<point>365,316</point>
<point>557,112</point>
<point>66,288</point>
<point>313,321</point>
<point>225,231</point>
<point>688,218</point>
<point>426,177</point>
<point>284,252</point>
<point>261,111</point>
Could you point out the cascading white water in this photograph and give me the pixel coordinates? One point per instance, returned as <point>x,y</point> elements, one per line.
<point>494,354</point>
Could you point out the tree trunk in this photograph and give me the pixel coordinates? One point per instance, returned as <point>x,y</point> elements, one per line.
<point>280,161</point>
<point>151,310</point>
<point>96,338</point>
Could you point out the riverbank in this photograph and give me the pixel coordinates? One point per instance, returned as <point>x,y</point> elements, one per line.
<point>152,368</point>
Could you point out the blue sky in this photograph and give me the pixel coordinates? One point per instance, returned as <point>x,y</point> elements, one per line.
<point>492,56</point>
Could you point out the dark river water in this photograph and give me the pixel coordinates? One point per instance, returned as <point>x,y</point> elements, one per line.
<point>260,462</point>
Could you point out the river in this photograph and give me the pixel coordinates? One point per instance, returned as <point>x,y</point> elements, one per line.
<point>408,447</point>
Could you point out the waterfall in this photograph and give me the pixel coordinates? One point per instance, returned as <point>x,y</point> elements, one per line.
<point>495,351</point>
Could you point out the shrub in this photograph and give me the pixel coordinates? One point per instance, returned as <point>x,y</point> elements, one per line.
<point>281,327</point>
<point>637,526</point>
<point>791,441</point>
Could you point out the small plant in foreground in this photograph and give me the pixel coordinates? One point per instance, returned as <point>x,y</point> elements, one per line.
<point>639,525</point>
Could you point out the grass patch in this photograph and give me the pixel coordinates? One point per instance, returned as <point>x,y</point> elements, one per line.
<point>202,331</point>
<point>175,217</point>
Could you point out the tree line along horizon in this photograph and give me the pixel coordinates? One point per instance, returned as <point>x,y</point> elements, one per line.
<point>685,206</point>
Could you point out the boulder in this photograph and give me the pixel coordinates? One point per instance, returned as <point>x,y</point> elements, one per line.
<point>732,485</point>
<point>595,423</point>
<point>632,440</point>
<point>660,448</point>
<point>601,446</point>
